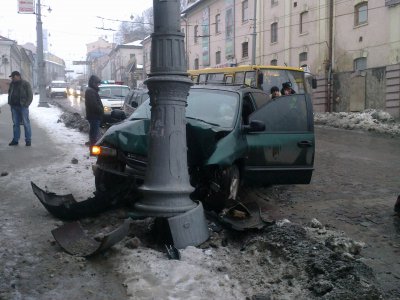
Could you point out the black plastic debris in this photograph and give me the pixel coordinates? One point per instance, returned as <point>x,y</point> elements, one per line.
<point>65,207</point>
<point>73,239</point>
<point>244,216</point>
<point>172,252</point>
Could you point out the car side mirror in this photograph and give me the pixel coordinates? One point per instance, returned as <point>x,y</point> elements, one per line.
<point>255,126</point>
<point>118,114</point>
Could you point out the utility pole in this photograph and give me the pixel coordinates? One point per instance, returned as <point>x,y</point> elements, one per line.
<point>166,189</point>
<point>39,37</point>
<point>253,56</point>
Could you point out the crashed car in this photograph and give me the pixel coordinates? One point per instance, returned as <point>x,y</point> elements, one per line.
<point>236,136</point>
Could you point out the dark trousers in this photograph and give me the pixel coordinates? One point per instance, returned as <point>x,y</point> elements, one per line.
<point>94,131</point>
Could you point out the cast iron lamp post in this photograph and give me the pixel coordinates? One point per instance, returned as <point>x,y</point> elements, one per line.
<point>166,188</point>
<point>39,37</point>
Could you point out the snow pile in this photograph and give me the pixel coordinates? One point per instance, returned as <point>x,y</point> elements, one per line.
<point>370,120</point>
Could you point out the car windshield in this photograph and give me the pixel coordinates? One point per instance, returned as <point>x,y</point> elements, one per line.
<point>113,92</point>
<point>59,85</point>
<point>213,107</point>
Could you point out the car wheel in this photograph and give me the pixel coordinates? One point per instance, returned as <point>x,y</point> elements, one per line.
<point>224,188</point>
<point>232,182</point>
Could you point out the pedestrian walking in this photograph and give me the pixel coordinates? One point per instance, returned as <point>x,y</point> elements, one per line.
<point>19,98</point>
<point>94,109</point>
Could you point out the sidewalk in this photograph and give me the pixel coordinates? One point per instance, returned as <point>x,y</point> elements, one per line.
<point>16,157</point>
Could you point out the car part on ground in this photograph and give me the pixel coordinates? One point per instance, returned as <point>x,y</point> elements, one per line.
<point>244,216</point>
<point>65,207</point>
<point>172,252</point>
<point>74,240</point>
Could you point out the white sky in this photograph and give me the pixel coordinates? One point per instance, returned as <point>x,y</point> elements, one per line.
<point>71,23</point>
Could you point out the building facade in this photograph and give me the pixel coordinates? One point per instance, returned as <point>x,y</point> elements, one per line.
<point>332,39</point>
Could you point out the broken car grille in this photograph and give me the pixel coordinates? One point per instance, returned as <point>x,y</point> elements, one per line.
<point>137,164</point>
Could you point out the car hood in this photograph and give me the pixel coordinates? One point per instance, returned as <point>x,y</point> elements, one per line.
<point>206,143</point>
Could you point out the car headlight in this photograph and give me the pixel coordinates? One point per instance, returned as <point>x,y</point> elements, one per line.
<point>104,151</point>
<point>107,109</point>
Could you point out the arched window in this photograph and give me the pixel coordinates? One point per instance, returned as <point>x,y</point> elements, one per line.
<point>196,64</point>
<point>302,57</point>
<point>245,10</point>
<point>360,64</point>
<point>303,22</point>
<point>274,32</point>
<point>196,33</point>
<point>245,49</point>
<point>218,57</point>
<point>217,23</point>
<point>361,13</point>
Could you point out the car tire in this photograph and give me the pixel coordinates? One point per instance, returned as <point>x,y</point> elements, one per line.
<point>232,182</point>
<point>228,180</point>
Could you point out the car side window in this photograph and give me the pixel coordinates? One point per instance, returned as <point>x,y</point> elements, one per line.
<point>286,113</point>
<point>260,98</point>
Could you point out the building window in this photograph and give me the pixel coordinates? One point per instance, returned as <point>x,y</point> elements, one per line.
<point>304,22</point>
<point>217,23</point>
<point>361,13</point>
<point>274,32</point>
<point>218,57</point>
<point>274,62</point>
<point>360,64</point>
<point>302,57</point>
<point>196,33</point>
<point>183,30</point>
<point>245,49</point>
<point>274,2</point>
<point>196,64</point>
<point>245,10</point>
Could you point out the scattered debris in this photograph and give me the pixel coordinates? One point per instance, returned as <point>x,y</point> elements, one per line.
<point>73,239</point>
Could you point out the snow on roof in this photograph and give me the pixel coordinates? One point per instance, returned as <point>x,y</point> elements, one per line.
<point>135,43</point>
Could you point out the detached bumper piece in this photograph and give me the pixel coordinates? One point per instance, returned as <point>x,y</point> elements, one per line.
<point>244,216</point>
<point>65,207</point>
<point>73,239</point>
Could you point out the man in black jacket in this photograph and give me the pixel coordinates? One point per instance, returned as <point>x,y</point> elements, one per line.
<point>19,98</point>
<point>94,109</point>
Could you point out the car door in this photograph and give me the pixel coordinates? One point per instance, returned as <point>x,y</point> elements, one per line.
<point>284,152</point>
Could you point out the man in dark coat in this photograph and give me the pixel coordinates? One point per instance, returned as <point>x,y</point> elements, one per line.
<point>94,109</point>
<point>19,98</point>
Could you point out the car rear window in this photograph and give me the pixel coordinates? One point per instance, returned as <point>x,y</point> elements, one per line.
<point>116,92</point>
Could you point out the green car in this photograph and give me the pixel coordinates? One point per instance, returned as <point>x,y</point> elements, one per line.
<point>236,136</point>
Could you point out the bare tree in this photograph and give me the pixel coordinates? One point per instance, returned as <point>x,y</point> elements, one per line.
<point>140,26</point>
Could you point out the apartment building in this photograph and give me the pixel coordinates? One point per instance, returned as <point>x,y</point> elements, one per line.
<point>352,46</point>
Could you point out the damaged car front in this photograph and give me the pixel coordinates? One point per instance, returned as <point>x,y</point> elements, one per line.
<point>221,134</point>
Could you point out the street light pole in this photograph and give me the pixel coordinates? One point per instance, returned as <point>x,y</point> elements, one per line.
<point>253,54</point>
<point>166,189</point>
<point>40,61</point>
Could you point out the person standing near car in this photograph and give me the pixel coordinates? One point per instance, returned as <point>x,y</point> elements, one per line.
<point>94,109</point>
<point>20,96</point>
